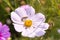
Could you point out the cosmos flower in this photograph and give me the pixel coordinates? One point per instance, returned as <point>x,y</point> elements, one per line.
<point>4,32</point>
<point>28,23</point>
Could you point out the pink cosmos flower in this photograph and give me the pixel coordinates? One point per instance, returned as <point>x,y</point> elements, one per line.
<point>33,26</point>
<point>4,32</point>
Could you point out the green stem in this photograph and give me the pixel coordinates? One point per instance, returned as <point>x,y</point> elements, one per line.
<point>8,3</point>
<point>16,5</point>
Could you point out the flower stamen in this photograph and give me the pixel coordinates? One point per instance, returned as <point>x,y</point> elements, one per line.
<point>28,23</point>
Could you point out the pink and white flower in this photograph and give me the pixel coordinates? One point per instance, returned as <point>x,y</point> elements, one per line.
<point>32,26</point>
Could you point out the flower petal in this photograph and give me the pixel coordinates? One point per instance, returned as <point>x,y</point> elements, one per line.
<point>16,18</point>
<point>28,32</point>
<point>32,11</point>
<point>4,29</point>
<point>6,34</point>
<point>25,33</point>
<point>39,17</point>
<point>29,10</point>
<point>36,24</point>
<point>32,35</point>
<point>2,38</point>
<point>21,12</point>
<point>18,28</point>
<point>0,26</point>
<point>40,33</point>
<point>44,26</point>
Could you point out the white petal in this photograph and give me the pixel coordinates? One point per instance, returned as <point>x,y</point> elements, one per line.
<point>28,32</point>
<point>18,28</point>
<point>29,10</point>
<point>37,30</point>
<point>16,18</point>
<point>32,35</point>
<point>36,24</point>
<point>21,12</point>
<point>44,26</point>
<point>25,33</point>
<point>32,11</point>
<point>38,17</point>
<point>40,33</point>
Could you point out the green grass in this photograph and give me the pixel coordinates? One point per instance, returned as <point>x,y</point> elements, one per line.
<point>50,8</point>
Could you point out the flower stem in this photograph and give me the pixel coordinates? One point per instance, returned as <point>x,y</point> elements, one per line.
<point>8,3</point>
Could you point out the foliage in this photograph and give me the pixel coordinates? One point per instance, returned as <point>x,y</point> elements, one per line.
<point>50,8</point>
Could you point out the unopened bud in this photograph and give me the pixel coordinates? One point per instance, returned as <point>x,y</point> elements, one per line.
<point>58,6</point>
<point>43,1</point>
<point>51,23</point>
<point>0,1</point>
<point>22,3</point>
<point>8,9</point>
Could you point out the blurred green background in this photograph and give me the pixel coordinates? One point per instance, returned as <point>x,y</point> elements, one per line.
<point>50,8</point>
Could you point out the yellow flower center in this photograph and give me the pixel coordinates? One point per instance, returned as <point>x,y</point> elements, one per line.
<point>28,23</point>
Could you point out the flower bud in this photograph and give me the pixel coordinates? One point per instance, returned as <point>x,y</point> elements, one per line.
<point>7,9</point>
<point>58,6</point>
<point>22,2</point>
<point>0,1</point>
<point>43,1</point>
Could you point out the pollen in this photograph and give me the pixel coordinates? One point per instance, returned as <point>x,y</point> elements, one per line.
<point>28,23</point>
